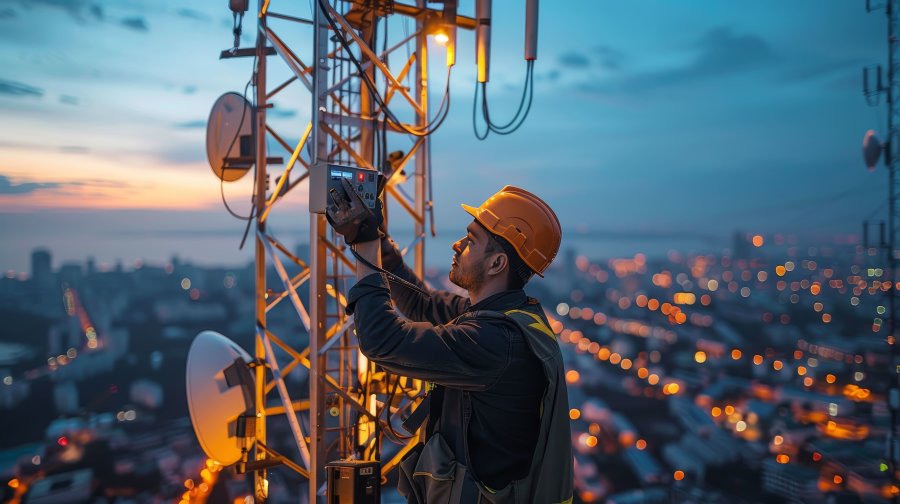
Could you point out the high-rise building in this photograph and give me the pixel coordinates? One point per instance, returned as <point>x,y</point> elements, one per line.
<point>41,268</point>
<point>741,248</point>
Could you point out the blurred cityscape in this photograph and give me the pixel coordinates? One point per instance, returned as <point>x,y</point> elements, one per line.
<point>753,374</point>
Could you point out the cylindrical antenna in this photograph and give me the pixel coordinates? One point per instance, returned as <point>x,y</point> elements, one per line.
<point>866,81</point>
<point>483,39</point>
<point>450,7</point>
<point>531,29</point>
<point>238,5</point>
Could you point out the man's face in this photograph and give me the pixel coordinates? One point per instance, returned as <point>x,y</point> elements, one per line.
<point>470,258</point>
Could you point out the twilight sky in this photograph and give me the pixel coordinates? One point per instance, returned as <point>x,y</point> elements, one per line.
<point>656,124</point>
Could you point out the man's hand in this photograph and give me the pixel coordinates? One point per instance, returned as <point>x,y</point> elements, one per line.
<point>350,216</point>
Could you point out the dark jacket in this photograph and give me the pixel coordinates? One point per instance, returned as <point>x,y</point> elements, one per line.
<point>490,378</point>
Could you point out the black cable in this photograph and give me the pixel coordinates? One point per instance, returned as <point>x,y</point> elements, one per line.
<point>389,115</point>
<point>396,436</point>
<point>517,120</point>
<point>527,90</point>
<point>227,207</point>
<point>247,227</point>
<point>487,130</point>
<point>237,134</point>
<point>390,275</point>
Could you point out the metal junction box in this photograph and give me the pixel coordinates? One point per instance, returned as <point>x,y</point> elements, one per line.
<point>353,482</point>
<point>326,176</point>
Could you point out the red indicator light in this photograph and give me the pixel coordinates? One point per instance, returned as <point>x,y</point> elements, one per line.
<point>361,176</point>
<point>62,441</point>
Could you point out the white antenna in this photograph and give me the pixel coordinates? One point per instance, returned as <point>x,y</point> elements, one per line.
<point>872,148</point>
<point>220,390</point>
<point>229,136</point>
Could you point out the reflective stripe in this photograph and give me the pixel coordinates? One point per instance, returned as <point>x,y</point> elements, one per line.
<point>539,323</point>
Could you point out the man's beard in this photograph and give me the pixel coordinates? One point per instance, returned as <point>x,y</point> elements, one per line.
<point>470,279</point>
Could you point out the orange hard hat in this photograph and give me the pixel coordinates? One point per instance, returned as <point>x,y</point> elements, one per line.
<point>525,221</point>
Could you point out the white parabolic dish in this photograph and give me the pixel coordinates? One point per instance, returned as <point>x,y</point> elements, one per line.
<point>214,405</point>
<point>871,149</point>
<point>229,119</point>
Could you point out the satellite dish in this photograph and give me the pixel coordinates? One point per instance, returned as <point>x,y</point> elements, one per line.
<point>229,137</point>
<point>872,148</point>
<point>220,388</point>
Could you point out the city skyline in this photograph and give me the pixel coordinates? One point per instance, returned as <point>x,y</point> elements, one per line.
<point>668,119</point>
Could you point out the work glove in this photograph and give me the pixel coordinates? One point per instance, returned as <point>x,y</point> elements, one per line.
<point>349,215</point>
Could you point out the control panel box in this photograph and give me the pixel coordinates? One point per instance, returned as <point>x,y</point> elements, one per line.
<point>353,482</point>
<point>327,176</point>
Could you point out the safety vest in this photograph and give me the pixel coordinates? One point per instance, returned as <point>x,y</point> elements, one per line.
<point>431,474</point>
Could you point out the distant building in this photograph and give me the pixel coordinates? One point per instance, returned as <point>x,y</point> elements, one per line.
<point>65,397</point>
<point>644,466</point>
<point>793,482</point>
<point>41,268</point>
<point>71,274</point>
<point>741,247</point>
<point>147,393</point>
<point>649,496</point>
<point>64,488</point>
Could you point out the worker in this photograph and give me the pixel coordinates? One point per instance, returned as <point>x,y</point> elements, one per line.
<point>498,415</point>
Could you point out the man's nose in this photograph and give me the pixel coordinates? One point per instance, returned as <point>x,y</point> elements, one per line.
<point>457,247</point>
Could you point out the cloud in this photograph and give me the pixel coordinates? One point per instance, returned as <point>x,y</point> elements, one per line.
<point>68,99</point>
<point>74,149</point>
<point>281,113</point>
<point>8,13</point>
<point>189,90</point>
<point>825,68</point>
<point>184,153</point>
<point>80,10</point>
<point>723,51</point>
<point>19,89</point>
<point>550,75</point>
<point>192,14</point>
<point>574,59</point>
<point>7,187</point>
<point>136,23</point>
<point>610,57</point>
<point>718,53</point>
<point>196,124</point>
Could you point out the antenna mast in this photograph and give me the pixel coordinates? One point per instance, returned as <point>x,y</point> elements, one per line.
<point>364,115</point>
<point>888,244</point>
<point>352,123</point>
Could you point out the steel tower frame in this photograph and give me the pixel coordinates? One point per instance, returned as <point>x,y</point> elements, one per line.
<point>889,244</point>
<point>347,395</point>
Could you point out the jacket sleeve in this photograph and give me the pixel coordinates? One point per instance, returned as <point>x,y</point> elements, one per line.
<point>439,307</point>
<point>469,355</point>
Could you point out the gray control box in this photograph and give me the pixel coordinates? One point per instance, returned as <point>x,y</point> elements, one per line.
<point>326,176</point>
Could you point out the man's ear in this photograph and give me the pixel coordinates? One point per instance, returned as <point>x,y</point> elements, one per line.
<point>498,264</point>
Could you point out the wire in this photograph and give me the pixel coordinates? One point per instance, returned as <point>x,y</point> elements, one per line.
<point>389,428</point>
<point>527,90</point>
<point>391,276</point>
<point>237,134</point>
<point>517,120</point>
<point>429,128</point>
